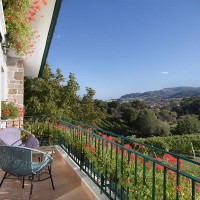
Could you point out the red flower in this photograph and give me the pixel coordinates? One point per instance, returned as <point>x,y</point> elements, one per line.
<point>87,145</point>
<point>109,138</point>
<point>92,150</point>
<point>10,17</point>
<point>158,159</point>
<point>78,133</point>
<point>159,167</point>
<point>197,187</point>
<point>128,146</point>
<point>104,136</point>
<point>171,159</point>
<point>142,146</point>
<point>44,2</point>
<point>132,156</point>
<point>180,188</point>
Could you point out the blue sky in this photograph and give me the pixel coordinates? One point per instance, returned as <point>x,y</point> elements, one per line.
<point>118,47</point>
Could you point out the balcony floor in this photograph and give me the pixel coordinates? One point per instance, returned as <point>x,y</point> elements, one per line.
<point>67,186</point>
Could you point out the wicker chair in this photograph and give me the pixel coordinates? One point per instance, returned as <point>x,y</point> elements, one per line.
<point>17,161</point>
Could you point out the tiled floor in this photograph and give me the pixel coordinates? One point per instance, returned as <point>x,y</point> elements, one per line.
<point>67,186</point>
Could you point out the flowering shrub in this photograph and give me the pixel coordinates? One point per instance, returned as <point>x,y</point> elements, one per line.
<point>10,110</point>
<point>119,165</point>
<point>176,143</point>
<point>129,167</point>
<point>19,17</point>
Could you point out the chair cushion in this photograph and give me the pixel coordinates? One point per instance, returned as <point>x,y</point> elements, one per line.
<point>32,142</point>
<point>11,136</point>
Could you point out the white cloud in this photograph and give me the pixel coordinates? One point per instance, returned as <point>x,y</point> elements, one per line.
<point>164,72</point>
<point>58,36</point>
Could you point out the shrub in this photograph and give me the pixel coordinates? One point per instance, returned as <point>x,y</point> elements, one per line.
<point>10,110</point>
<point>178,143</point>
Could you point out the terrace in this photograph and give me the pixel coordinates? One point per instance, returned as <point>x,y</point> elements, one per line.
<point>121,168</point>
<point>67,184</point>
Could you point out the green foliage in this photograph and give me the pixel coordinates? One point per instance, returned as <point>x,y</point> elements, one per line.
<point>102,105</point>
<point>89,113</point>
<point>167,115</point>
<point>9,110</point>
<point>51,96</point>
<point>69,100</point>
<point>191,106</point>
<point>148,124</point>
<point>42,94</point>
<point>19,16</point>
<point>175,143</point>
<point>120,166</point>
<point>187,125</point>
<point>130,115</point>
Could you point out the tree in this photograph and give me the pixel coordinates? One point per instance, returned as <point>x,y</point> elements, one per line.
<point>50,95</point>
<point>114,109</point>
<point>162,129</point>
<point>166,115</point>
<point>89,113</point>
<point>139,105</point>
<point>129,115</point>
<point>70,101</point>
<point>148,124</point>
<point>188,124</point>
<point>102,105</point>
<point>41,95</point>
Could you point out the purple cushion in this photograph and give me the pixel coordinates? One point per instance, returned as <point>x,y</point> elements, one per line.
<point>32,142</point>
<point>11,136</point>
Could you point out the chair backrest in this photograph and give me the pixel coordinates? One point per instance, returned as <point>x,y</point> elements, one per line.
<point>11,136</point>
<point>32,142</point>
<point>16,161</point>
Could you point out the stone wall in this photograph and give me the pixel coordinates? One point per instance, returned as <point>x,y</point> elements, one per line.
<point>15,69</point>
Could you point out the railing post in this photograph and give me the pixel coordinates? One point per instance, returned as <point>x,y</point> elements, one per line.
<point>102,182</point>
<point>82,160</point>
<point>165,184</point>
<point>177,179</point>
<point>153,181</point>
<point>122,139</point>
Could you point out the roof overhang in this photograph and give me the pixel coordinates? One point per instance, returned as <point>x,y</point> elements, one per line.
<point>34,65</point>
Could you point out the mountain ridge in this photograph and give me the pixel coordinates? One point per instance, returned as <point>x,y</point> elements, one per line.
<point>166,93</point>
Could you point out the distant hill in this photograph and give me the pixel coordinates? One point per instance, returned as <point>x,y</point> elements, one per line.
<point>167,93</point>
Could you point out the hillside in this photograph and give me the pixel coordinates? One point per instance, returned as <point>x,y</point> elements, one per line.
<point>166,93</point>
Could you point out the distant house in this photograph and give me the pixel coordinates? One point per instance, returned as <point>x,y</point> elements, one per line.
<point>13,67</point>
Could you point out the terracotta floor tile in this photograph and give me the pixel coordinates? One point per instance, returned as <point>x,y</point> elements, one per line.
<point>67,187</point>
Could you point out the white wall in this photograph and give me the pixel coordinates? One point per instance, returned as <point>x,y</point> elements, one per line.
<point>3,66</point>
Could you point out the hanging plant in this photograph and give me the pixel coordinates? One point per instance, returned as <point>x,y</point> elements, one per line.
<point>19,18</point>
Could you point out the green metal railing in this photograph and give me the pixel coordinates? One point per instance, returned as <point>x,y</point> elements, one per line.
<point>122,168</point>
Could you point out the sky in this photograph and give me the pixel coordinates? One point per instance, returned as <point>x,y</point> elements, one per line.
<point>118,47</point>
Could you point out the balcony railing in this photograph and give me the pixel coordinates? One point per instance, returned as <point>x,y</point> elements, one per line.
<point>122,168</point>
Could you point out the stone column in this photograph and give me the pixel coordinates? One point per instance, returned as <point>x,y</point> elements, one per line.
<point>15,70</point>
